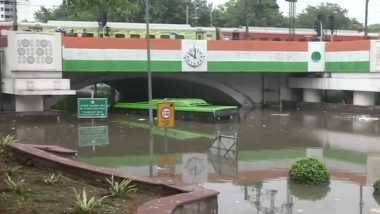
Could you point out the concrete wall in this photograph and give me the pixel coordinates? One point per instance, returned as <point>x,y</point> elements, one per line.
<point>363,98</point>
<point>29,103</point>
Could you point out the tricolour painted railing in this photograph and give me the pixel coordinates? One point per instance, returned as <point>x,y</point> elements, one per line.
<point>129,55</point>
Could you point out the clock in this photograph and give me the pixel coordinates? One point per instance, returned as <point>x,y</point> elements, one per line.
<point>194,57</point>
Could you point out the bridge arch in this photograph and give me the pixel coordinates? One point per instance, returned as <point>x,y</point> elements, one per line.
<point>133,87</point>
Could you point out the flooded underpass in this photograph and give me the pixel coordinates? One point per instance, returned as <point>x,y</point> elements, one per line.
<point>246,160</point>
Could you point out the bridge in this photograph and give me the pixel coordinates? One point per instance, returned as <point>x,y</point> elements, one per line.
<point>245,73</point>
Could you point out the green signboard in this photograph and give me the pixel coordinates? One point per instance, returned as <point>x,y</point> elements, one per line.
<point>93,136</point>
<point>92,107</point>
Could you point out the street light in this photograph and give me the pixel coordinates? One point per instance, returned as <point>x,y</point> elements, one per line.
<point>292,16</point>
<point>187,2</point>
<point>148,69</point>
<point>366,19</point>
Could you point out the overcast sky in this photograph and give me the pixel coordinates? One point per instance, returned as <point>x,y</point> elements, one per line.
<point>355,7</point>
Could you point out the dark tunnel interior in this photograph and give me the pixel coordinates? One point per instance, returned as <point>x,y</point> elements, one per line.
<point>136,89</point>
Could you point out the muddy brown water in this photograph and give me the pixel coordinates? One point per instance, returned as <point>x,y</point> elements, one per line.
<point>249,172</point>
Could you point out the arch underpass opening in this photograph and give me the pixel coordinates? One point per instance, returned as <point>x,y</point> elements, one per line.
<point>136,89</point>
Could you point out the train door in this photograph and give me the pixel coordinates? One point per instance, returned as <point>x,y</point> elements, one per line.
<point>235,35</point>
<point>200,35</point>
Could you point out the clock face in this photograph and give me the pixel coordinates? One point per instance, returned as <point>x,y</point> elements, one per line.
<point>194,57</point>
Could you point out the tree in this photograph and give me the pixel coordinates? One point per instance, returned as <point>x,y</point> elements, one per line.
<point>201,13</point>
<point>104,10</point>
<point>174,11</point>
<point>89,10</point>
<point>250,12</point>
<point>162,11</point>
<point>44,14</point>
<point>327,10</point>
<point>374,28</point>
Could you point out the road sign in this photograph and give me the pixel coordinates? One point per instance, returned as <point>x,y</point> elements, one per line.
<point>93,136</point>
<point>166,115</point>
<point>92,107</point>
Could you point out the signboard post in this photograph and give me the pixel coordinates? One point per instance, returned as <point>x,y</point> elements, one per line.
<point>92,108</point>
<point>166,115</point>
<point>166,118</point>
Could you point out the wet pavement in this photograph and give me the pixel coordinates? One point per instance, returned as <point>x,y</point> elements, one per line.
<point>246,160</point>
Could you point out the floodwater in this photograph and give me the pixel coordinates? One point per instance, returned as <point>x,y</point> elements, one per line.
<point>247,163</point>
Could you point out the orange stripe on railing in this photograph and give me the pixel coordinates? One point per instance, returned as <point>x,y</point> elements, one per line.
<point>110,43</point>
<point>256,46</point>
<point>359,45</point>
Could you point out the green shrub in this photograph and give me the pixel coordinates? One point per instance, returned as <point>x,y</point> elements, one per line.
<point>4,142</point>
<point>309,171</point>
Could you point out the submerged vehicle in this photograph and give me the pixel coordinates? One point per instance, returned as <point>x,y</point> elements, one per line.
<point>186,108</point>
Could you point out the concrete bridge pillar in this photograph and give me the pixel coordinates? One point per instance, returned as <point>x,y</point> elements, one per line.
<point>364,98</point>
<point>29,103</point>
<point>312,96</point>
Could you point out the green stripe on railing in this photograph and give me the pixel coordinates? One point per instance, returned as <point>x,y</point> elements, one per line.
<point>120,66</point>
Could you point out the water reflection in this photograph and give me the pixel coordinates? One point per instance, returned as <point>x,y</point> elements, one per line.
<point>195,168</point>
<point>93,136</point>
<point>248,165</point>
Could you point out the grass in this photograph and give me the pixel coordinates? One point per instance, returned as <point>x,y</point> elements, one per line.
<point>58,196</point>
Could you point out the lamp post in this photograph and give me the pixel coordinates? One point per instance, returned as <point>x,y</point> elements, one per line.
<point>148,56</point>
<point>187,11</point>
<point>149,73</point>
<point>15,18</point>
<point>366,19</point>
<point>292,16</point>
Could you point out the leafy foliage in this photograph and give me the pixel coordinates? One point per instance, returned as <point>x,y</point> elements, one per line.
<point>52,178</point>
<point>252,12</point>
<point>325,10</point>
<point>375,28</point>
<point>84,204</point>
<point>233,13</point>
<point>309,171</point>
<point>4,142</point>
<point>122,188</point>
<point>16,185</point>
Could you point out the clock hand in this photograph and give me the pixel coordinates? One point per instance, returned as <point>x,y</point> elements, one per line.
<point>191,53</point>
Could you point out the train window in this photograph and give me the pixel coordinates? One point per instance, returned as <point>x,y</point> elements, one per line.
<point>119,35</point>
<point>151,36</point>
<point>135,36</point>
<point>179,36</point>
<point>235,36</point>
<point>164,37</point>
<point>87,35</point>
<point>71,34</point>
<point>200,35</point>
